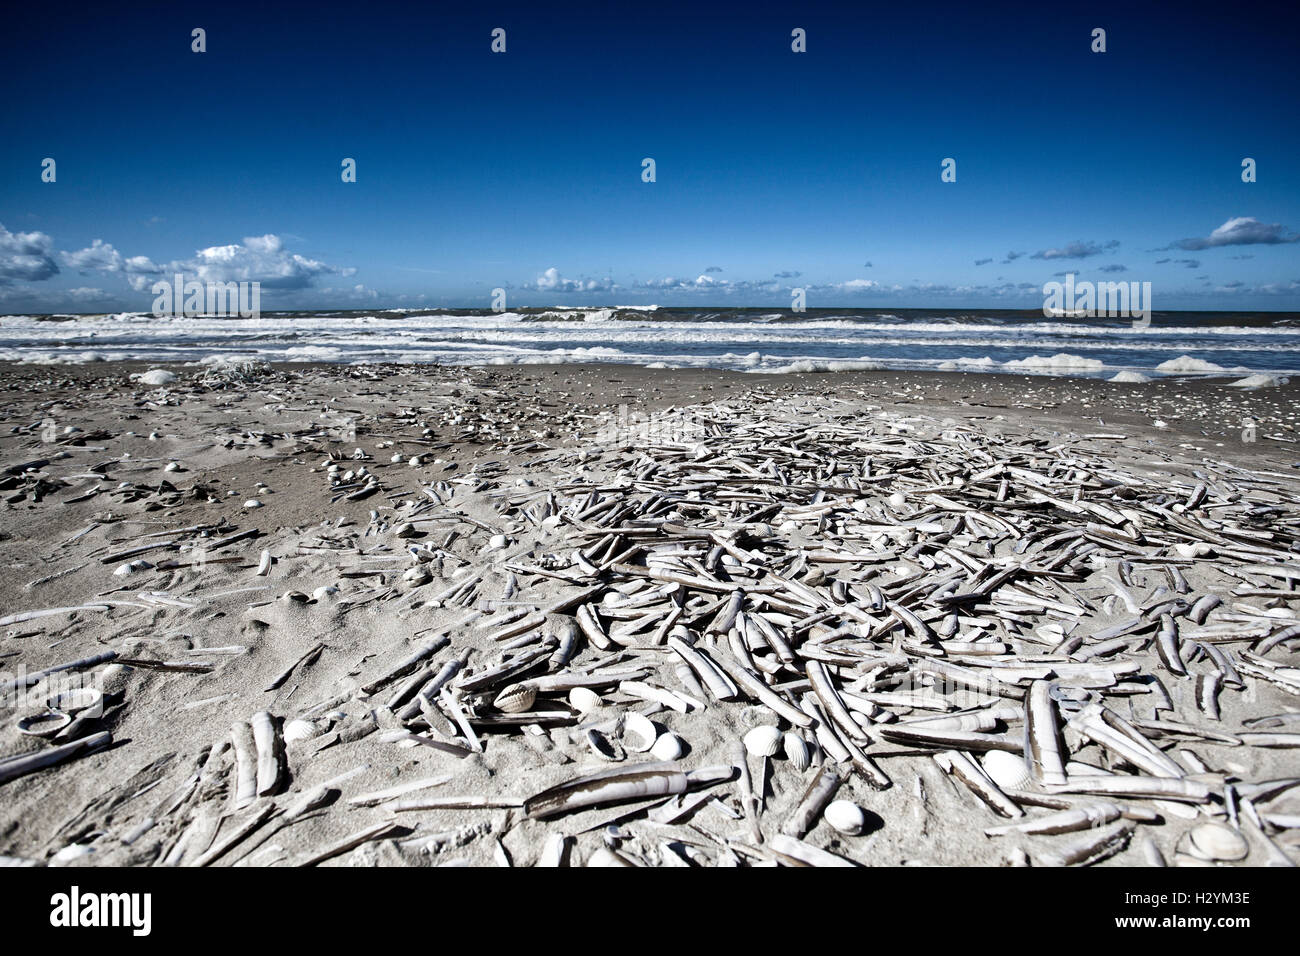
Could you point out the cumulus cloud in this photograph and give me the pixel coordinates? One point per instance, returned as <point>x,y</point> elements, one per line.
<point>1240,231</point>
<point>28,256</point>
<point>552,281</point>
<point>261,259</point>
<point>258,259</point>
<point>1076,250</point>
<point>699,282</point>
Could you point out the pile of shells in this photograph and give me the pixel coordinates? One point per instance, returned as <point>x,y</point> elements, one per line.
<point>852,610</point>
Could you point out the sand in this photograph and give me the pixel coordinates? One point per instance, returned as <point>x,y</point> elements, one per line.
<point>239,449</point>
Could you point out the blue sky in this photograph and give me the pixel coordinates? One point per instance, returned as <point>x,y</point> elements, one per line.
<point>774,169</point>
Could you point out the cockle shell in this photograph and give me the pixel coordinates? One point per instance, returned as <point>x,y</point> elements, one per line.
<point>1214,841</point>
<point>1007,770</point>
<point>763,741</point>
<point>584,700</point>
<point>298,730</point>
<point>797,750</point>
<point>845,816</point>
<point>638,734</point>
<point>516,698</point>
<point>668,746</point>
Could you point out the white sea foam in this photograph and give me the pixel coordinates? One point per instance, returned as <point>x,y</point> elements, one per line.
<point>1185,363</point>
<point>155,376</point>
<point>1061,361</point>
<point>1259,381</point>
<point>1129,376</point>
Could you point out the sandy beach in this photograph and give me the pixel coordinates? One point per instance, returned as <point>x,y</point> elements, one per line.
<point>397,615</point>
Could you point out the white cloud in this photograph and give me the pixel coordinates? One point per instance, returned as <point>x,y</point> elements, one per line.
<point>1240,231</point>
<point>552,281</point>
<point>26,255</point>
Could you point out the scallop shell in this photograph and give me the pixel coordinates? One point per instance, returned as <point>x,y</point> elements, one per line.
<point>845,816</point>
<point>81,701</point>
<point>516,698</point>
<point>583,700</point>
<point>668,746</point>
<point>44,725</point>
<point>298,730</point>
<point>797,750</point>
<point>763,741</point>
<point>1007,770</point>
<point>1213,841</point>
<point>638,734</point>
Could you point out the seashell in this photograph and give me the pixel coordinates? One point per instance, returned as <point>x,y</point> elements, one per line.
<point>417,576</point>
<point>79,701</point>
<point>405,530</point>
<point>252,503</point>
<point>1007,770</point>
<point>763,741</point>
<point>131,567</point>
<point>516,698</point>
<point>44,725</point>
<point>322,593</point>
<point>497,542</point>
<point>668,746</point>
<point>298,730</point>
<point>602,746</point>
<point>584,700</point>
<point>1214,841</point>
<point>845,816</point>
<point>641,731</point>
<point>797,751</point>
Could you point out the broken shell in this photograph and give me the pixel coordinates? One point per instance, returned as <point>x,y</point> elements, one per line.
<point>668,746</point>
<point>44,725</point>
<point>797,750</point>
<point>763,741</point>
<point>602,746</point>
<point>298,730</point>
<point>516,698</point>
<point>845,816</point>
<point>1007,770</point>
<point>81,701</point>
<point>584,700</point>
<point>1213,841</point>
<point>638,734</point>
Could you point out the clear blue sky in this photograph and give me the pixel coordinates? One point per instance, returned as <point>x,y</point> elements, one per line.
<point>523,170</point>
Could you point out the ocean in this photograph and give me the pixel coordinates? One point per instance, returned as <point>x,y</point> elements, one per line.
<point>748,340</point>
